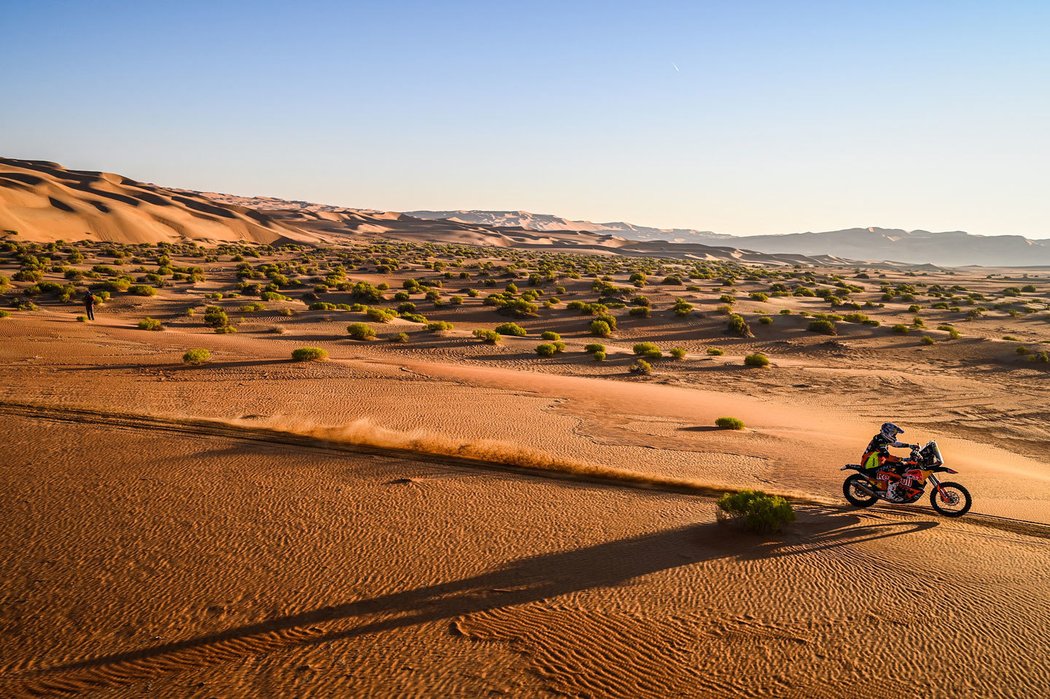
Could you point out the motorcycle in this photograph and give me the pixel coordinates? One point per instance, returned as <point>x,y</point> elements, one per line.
<point>949,499</point>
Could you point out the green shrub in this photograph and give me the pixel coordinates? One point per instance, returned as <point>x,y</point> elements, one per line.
<point>511,329</point>
<point>678,352</point>
<point>197,355</point>
<point>642,367</point>
<point>759,296</point>
<point>311,354</point>
<point>765,320</point>
<point>439,326</point>
<point>1041,357</point>
<point>399,337</point>
<point>756,511</point>
<point>594,347</point>
<point>225,330</point>
<point>901,329</point>
<point>1022,350</point>
<point>757,360</point>
<point>150,324</point>
<point>785,311</point>
<point>730,423</point>
<point>649,350</point>
<point>715,351</point>
<point>550,335</point>
<point>380,315</point>
<point>738,326</point>
<point>361,331</point>
<point>927,340</point>
<point>142,290</point>
<point>599,356</point>
<point>641,311</point>
<point>546,350</point>
<point>490,337</point>
<point>822,326</point>
<point>600,328</point>
<point>216,317</point>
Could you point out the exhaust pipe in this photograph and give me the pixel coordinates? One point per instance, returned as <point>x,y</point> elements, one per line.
<point>863,487</point>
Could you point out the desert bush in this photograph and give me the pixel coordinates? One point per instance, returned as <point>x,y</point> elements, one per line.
<point>678,352</point>
<point>197,355</point>
<point>1041,357</point>
<point>649,350</point>
<point>547,349</point>
<point>380,315</point>
<point>148,323</point>
<point>738,326</point>
<point>756,511</point>
<point>361,331</point>
<point>765,320</point>
<point>399,337</point>
<point>641,311</point>
<point>715,351</point>
<point>311,354</point>
<point>225,330</point>
<point>729,423</point>
<point>901,329</point>
<point>756,360</point>
<point>641,367</point>
<point>594,347</point>
<point>142,290</point>
<point>599,356</point>
<point>682,307</point>
<point>759,296</point>
<point>600,328</point>
<point>550,335</point>
<point>80,319</point>
<point>216,317</point>
<point>823,326</point>
<point>511,329</point>
<point>927,340</point>
<point>439,326</point>
<point>490,337</point>
<point>1022,350</point>
<point>785,311</point>
<point>414,318</point>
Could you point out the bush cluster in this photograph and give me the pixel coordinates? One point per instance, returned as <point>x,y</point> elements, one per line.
<point>756,511</point>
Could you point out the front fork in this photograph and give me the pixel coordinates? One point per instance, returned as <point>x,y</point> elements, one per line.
<point>937,485</point>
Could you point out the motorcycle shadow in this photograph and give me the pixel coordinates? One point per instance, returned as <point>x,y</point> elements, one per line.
<point>819,528</point>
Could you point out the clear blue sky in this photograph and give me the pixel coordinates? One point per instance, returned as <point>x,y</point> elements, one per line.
<point>780,116</point>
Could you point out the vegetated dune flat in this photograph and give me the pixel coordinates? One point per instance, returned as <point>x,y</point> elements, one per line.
<point>434,514</point>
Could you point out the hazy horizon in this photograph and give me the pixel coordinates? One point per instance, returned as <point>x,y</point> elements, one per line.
<point>739,118</point>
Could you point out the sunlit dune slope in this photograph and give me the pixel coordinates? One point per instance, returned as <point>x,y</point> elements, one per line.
<point>43,201</point>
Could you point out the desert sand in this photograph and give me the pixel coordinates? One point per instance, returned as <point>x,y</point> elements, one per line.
<point>448,517</point>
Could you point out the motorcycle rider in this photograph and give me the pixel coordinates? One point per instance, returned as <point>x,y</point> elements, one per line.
<point>877,456</point>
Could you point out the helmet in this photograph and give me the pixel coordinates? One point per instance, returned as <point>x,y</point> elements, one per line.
<point>890,431</point>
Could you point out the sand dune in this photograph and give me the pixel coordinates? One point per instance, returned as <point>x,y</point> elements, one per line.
<point>45,202</point>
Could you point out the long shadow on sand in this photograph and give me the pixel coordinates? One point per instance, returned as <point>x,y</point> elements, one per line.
<point>519,582</point>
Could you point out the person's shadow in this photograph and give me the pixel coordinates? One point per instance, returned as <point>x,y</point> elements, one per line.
<point>518,582</point>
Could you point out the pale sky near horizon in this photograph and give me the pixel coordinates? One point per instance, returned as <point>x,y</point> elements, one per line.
<point>741,117</point>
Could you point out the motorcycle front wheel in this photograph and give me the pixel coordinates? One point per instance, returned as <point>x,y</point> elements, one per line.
<point>856,496</point>
<point>951,499</point>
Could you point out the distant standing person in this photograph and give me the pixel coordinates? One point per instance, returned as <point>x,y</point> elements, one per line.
<point>89,305</point>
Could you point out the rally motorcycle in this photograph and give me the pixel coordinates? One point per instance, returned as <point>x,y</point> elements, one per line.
<point>909,477</point>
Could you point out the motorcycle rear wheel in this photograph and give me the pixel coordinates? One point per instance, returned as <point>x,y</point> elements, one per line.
<point>959,499</point>
<point>855,496</point>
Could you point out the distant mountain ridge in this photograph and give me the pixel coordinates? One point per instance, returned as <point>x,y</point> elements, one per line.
<point>949,248</point>
<point>549,222</point>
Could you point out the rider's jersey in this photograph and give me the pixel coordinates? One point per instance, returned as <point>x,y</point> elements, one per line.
<point>878,451</point>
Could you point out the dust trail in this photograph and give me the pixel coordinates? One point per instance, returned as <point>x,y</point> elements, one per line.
<point>365,432</point>
<point>364,435</point>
